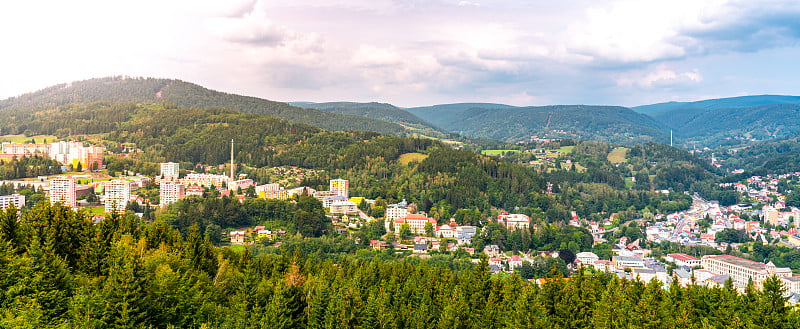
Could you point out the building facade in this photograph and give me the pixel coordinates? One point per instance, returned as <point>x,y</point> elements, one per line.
<point>340,186</point>
<point>397,210</point>
<point>18,200</point>
<point>117,195</point>
<point>170,192</point>
<point>62,189</point>
<point>742,270</point>
<point>170,171</point>
<point>415,221</point>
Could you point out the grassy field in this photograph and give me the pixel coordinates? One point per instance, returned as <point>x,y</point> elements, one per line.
<point>23,138</point>
<point>629,182</point>
<point>99,210</point>
<point>566,149</point>
<point>407,158</point>
<point>617,155</point>
<point>496,152</point>
<point>238,247</point>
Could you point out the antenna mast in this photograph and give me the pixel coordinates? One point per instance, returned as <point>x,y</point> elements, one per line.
<point>232,160</point>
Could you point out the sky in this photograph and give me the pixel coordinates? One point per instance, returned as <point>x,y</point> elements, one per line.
<point>413,53</point>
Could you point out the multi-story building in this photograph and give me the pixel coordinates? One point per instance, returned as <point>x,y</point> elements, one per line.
<point>280,194</point>
<point>327,202</point>
<point>343,208</point>
<point>194,190</point>
<point>415,221</point>
<point>237,237</point>
<point>66,153</point>
<point>170,192</point>
<point>242,184</point>
<point>683,260</point>
<point>446,231</point>
<point>267,187</point>
<point>340,186</point>
<point>515,221</point>
<point>62,189</point>
<point>170,171</point>
<point>206,180</point>
<point>792,284</point>
<point>117,194</point>
<point>742,270</point>
<point>18,200</point>
<point>397,210</point>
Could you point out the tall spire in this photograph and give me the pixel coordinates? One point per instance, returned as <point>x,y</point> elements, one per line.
<point>232,170</point>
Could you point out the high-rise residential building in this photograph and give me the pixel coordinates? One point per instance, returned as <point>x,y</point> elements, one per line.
<point>62,189</point>
<point>340,186</point>
<point>397,210</point>
<point>170,192</point>
<point>117,195</point>
<point>18,200</point>
<point>170,171</point>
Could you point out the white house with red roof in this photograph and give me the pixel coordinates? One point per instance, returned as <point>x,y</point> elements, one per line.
<point>415,221</point>
<point>515,222</point>
<point>447,231</point>
<point>683,260</point>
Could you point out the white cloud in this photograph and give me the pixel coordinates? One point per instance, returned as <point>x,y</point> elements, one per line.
<point>660,77</point>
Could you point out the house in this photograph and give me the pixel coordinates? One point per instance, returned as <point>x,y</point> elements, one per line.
<point>491,250</point>
<point>447,231</point>
<point>683,260</point>
<point>237,237</point>
<point>464,234</point>
<point>586,258</point>
<point>603,265</point>
<point>262,233</point>
<point>514,262</point>
<point>683,277</point>
<point>377,244</point>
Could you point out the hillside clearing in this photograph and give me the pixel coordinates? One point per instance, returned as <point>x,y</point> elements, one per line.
<point>407,158</point>
<point>617,155</point>
<point>23,138</point>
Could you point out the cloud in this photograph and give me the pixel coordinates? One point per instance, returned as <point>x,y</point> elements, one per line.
<point>659,78</point>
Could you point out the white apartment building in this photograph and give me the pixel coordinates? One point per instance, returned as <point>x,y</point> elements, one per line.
<point>206,180</point>
<point>170,171</point>
<point>117,194</point>
<point>62,189</point>
<point>18,200</point>
<point>515,221</point>
<point>170,192</point>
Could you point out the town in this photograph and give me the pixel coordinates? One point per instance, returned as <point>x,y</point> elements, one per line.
<point>765,218</point>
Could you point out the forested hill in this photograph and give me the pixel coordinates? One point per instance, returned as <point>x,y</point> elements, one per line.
<point>150,90</point>
<point>719,103</point>
<point>445,115</point>
<point>380,111</point>
<point>598,123</point>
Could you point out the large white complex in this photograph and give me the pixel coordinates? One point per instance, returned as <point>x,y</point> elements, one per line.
<point>170,171</point>
<point>117,195</point>
<point>340,186</point>
<point>62,189</point>
<point>169,192</point>
<point>18,200</point>
<point>742,270</point>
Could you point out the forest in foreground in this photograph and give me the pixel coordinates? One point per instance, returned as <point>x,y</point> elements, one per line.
<point>59,270</point>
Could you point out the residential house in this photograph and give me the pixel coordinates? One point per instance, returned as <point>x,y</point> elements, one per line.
<point>237,237</point>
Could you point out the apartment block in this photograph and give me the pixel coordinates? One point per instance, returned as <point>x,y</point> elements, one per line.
<point>62,190</point>
<point>117,195</point>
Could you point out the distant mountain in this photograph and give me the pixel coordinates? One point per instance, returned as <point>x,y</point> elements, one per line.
<point>596,123</point>
<point>720,103</point>
<point>446,114</point>
<point>380,111</point>
<point>150,90</point>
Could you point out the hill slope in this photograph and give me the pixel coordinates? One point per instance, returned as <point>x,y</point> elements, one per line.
<point>445,115</point>
<point>149,90</point>
<point>598,123</point>
<point>719,103</point>
<point>380,111</point>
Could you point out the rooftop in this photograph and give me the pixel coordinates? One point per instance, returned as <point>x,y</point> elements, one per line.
<point>733,260</point>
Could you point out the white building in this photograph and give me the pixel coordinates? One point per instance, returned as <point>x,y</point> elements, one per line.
<point>117,194</point>
<point>446,231</point>
<point>343,208</point>
<point>242,184</point>
<point>587,258</point>
<point>18,200</point>
<point>515,221</point>
<point>170,171</point>
<point>397,210</point>
<point>206,180</point>
<point>340,186</point>
<point>170,192</point>
<point>62,189</point>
